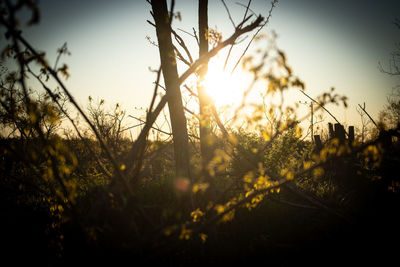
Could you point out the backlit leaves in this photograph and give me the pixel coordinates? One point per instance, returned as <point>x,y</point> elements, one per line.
<point>213,36</point>
<point>64,71</point>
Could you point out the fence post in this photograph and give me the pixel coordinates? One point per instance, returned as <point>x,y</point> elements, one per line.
<point>331,132</point>
<point>339,132</point>
<point>318,142</point>
<point>351,134</point>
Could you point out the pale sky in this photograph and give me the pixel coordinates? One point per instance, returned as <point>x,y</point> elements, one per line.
<point>328,44</point>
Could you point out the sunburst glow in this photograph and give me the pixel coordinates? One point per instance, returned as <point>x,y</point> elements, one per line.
<point>224,88</point>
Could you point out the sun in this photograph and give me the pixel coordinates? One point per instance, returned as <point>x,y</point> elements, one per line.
<point>225,89</point>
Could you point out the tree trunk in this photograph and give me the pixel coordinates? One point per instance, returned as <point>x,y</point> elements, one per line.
<point>171,79</point>
<point>204,98</point>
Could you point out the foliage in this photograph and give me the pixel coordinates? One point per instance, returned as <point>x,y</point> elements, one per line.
<point>16,121</point>
<point>390,116</point>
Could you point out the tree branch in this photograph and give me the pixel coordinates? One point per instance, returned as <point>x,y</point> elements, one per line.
<point>239,31</point>
<point>273,4</point>
<point>363,109</point>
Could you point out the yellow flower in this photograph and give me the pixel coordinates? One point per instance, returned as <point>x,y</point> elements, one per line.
<point>318,172</point>
<point>228,216</point>
<point>290,176</point>
<point>220,209</point>
<point>203,237</point>
<point>185,234</point>
<point>266,136</point>
<point>196,215</point>
<point>307,164</point>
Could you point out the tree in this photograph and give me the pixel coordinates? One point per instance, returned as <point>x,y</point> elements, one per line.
<point>394,63</point>
<point>390,116</point>
<point>172,85</point>
<point>168,64</point>
<point>205,101</point>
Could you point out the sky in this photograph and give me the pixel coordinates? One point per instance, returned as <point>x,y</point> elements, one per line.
<point>328,44</point>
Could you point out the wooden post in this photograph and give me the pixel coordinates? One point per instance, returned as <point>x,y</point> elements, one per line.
<point>339,132</point>
<point>318,142</point>
<point>312,119</point>
<point>351,134</point>
<point>342,134</point>
<point>331,132</point>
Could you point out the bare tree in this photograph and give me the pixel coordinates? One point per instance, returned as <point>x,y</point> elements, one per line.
<point>364,122</point>
<point>394,63</point>
<point>390,116</point>
<point>205,101</point>
<point>172,85</point>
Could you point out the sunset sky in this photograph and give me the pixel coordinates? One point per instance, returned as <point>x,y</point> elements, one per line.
<point>328,44</point>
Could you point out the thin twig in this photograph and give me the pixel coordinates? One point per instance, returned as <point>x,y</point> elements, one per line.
<point>54,74</point>
<point>247,7</point>
<point>230,49</point>
<point>190,91</point>
<point>273,4</point>
<point>322,106</point>
<point>213,52</point>
<point>182,43</point>
<point>229,13</point>
<point>87,145</point>
<point>144,122</point>
<point>155,90</point>
<point>363,109</point>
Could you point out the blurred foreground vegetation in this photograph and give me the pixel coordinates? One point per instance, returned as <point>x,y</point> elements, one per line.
<point>348,208</point>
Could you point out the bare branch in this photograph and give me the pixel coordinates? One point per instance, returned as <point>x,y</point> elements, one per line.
<point>194,35</point>
<point>247,7</point>
<point>155,90</point>
<point>190,91</point>
<point>230,49</point>
<point>229,13</point>
<point>180,57</point>
<point>273,4</point>
<point>54,74</point>
<point>322,106</point>
<point>363,109</point>
<point>152,127</point>
<point>220,46</point>
<point>182,43</point>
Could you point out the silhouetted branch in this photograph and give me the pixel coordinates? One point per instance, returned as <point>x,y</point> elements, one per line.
<point>87,145</point>
<point>185,108</point>
<point>219,122</point>
<point>155,90</point>
<point>230,49</point>
<point>136,152</point>
<point>273,4</point>
<point>180,57</point>
<point>30,109</point>
<point>144,122</point>
<point>220,46</point>
<point>247,7</point>
<point>322,106</point>
<point>182,43</point>
<point>194,35</point>
<point>292,204</point>
<point>190,91</point>
<point>363,109</point>
<point>229,13</point>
